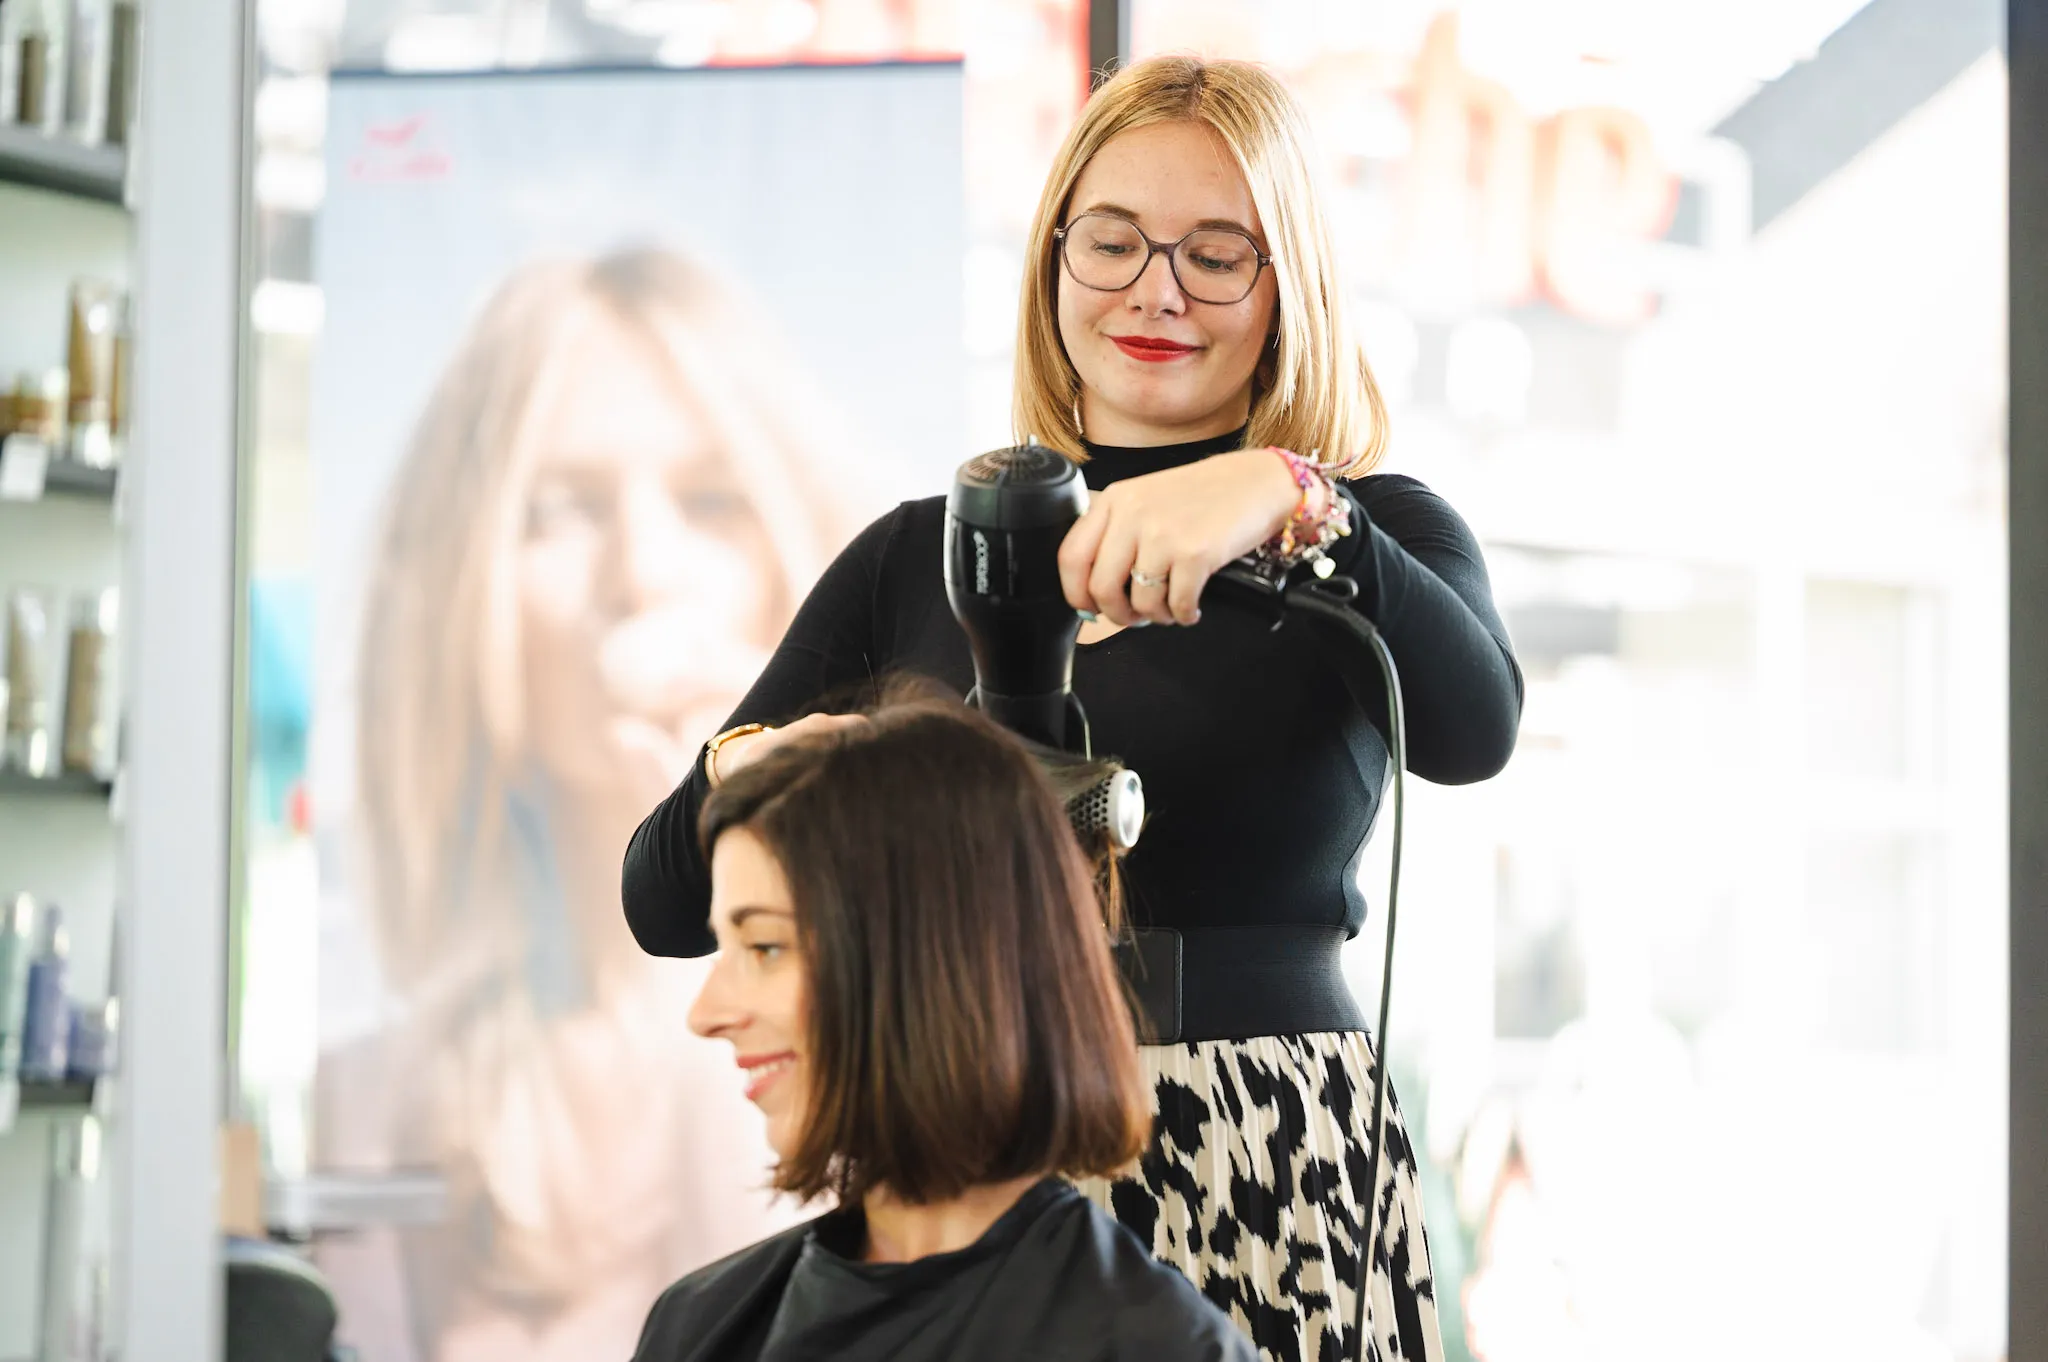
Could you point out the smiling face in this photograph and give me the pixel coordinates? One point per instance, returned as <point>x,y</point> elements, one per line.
<point>756,996</point>
<point>1156,366</point>
<point>648,587</point>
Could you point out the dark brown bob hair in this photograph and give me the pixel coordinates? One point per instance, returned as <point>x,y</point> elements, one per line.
<point>966,1024</point>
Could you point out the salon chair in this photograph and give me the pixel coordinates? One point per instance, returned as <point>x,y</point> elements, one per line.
<point>278,1308</point>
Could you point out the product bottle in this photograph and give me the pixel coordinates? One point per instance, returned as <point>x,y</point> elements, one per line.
<point>90,1055</point>
<point>70,1329</point>
<point>89,714</point>
<point>117,372</point>
<point>86,40</point>
<point>89,365</point>
<point>47,1031</point>
<point>123,52</point>
<point>10,11</point>
<point>17,945</point>
<point>32,68</point>
<point>30,740</point>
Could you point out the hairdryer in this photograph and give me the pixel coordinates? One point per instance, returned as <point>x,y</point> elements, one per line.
<point>1005,517</point>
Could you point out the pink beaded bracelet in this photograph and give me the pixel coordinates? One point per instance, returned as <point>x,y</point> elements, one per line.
<point>1315,523</point>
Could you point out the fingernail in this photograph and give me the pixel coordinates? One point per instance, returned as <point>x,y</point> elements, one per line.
<point>1088,615</point>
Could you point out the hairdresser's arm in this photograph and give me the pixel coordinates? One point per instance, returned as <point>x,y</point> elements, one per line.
<point>1422,581</point>
<point>829,650</point>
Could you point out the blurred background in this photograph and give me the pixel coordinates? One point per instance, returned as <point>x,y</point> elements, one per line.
<point>1696,311</point>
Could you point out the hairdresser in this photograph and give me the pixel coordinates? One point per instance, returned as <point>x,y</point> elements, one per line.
<point>912,973</point>
<point>1184,339</point>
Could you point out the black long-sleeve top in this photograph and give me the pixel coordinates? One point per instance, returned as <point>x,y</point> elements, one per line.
<point>1263,764</point>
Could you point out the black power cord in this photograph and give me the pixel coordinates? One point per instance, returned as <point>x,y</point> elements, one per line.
<point>1397,752</point>
<point>1397,746</point>
<point>1331,601</point>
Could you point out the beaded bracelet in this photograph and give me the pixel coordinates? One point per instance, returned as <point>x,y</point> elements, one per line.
<point>1310,529</point>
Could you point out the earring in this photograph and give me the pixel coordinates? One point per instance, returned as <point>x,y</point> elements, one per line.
<point>1077,415</point>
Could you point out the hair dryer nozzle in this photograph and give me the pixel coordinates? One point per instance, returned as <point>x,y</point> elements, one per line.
<point>1113,806</point>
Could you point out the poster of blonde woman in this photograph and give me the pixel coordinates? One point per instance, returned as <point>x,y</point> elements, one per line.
<point>599,393</point>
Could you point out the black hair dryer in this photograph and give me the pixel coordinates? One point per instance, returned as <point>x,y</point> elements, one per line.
<point>1005,517</point>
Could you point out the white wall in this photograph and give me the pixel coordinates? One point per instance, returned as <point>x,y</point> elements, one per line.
<point>190,191</point>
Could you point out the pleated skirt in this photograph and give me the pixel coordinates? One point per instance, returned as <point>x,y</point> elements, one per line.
<point>1253,1187</point>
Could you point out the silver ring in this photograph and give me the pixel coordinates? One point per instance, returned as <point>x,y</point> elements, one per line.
<point>1140,577</point>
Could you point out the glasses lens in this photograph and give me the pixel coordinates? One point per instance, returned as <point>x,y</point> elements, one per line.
<point>1104,252</point>
<point>1216,266</point>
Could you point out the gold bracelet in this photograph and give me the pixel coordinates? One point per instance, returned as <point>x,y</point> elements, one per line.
<point>711,748</point>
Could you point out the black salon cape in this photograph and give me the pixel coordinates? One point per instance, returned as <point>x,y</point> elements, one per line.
<point>1053,1278</point>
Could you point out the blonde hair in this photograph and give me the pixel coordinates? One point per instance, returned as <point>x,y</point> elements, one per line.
<point>1317,393</point>
<point>443,756</point>
<point>444,725</point>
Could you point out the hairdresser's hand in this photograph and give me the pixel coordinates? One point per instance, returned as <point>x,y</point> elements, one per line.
<point>1148,545</point>
<point>671,674</point>
<point>745,751</point>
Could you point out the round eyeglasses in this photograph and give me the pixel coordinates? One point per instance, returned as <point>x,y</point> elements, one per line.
<point>1211,264</point>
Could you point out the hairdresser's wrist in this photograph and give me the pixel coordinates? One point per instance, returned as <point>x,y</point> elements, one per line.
<point>726,753</point>
<point>1271,488</point>
<point>737,748</point>
<point>1319,518</point>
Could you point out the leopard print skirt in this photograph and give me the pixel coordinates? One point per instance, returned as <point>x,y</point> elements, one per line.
<point>1251,1188</point>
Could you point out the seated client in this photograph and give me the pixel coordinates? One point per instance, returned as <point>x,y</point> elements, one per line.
<point>915,975</point>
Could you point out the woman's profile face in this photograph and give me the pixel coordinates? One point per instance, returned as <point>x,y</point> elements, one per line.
<point>649,591</point>
<point>1168,179</point>
<point>755,994</point>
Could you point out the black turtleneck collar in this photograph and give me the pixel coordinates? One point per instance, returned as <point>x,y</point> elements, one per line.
<point>1113,463</point>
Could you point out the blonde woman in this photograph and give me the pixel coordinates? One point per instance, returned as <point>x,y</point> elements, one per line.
<point>1183,337</point>
<point>611,503</point>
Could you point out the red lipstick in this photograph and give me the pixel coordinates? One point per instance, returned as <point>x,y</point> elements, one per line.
<point>1151,349</point>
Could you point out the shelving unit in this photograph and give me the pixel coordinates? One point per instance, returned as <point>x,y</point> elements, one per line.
<point>58,1097</point>
<point>65,214</point>
<point>67,785</point>
<point>69,479</point>
<point>43,161</point>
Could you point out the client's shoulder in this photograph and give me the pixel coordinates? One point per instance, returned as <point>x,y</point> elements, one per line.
<point>1157,1312</point>
<point>717,1293</point>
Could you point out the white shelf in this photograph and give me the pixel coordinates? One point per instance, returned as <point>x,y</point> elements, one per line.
<point>68,785</point>
<point>66,1096</point>
<point>43,161</point>
<point>68,478</point>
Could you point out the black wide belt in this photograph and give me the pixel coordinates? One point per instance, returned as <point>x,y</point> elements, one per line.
<point>1234,983</point>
